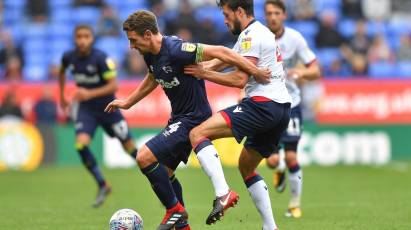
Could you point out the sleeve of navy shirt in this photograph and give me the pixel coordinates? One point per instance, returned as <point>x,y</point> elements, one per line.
<point>186,53</point>
<point>106,67</point>
<point>65,60</point>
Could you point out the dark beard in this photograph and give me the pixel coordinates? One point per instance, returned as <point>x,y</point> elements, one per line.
<point>237,27</point>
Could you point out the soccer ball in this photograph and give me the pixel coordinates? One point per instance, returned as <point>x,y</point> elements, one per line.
<point>126,219</point>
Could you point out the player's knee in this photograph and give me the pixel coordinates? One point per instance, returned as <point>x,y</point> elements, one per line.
<point>291,159</point>
<point>243,167</point>
<point>145,157</point>
<point>195,135</point>
<point>83,139</point>
<point>272,161</point>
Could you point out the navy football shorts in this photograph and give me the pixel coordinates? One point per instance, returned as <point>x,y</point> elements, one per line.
<point>87,118</point>
<point>172,145</point>
<point>259,119</point>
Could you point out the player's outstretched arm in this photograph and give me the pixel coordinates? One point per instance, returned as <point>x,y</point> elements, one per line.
<point>310,73</point>
<point>83,94</point>
<point>144,89</point>
<point>230,57</point>
<point>235,78</point>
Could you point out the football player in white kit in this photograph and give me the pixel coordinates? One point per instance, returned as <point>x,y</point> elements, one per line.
<point>293,49</point>
<point>261,116</point>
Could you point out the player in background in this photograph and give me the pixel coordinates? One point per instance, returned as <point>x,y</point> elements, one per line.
<point>293,49</point>
<point>261,116</point>
<point>165,58</point>
<point>95,77</point>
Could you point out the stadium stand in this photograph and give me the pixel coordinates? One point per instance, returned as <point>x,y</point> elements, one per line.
<point>44,42</point>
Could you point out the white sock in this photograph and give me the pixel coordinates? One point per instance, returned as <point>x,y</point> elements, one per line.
<point>209,160</point>
<point>281,165</point>
<point>296,184</point>
<point>261,199</point>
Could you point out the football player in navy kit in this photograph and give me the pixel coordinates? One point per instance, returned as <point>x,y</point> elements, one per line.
<point>165,58</point>
<point>95,77</point>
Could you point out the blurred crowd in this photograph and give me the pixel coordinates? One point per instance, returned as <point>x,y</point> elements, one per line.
<point>352,38</point>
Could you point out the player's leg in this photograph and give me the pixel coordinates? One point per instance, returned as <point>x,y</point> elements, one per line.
<point>116,126</point>
<point>248,162</point>
<point>213,128</point>
<point>278,164</point>
<point>82,142</point>
<point>86,124</point>
<point>178,190</point>
<point>291,140</point>
<point>200,137</point>
<point>295,178</point>
<point>158,176</point>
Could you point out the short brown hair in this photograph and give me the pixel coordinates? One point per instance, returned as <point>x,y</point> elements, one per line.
<point>83,27</point>
<point>141,21</point>
<point>277,3</point>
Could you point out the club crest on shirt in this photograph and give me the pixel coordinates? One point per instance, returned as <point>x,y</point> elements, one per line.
<point>188,47</point>
<point>246,44</point>
<point>110,63</point>
<point>91,68</point>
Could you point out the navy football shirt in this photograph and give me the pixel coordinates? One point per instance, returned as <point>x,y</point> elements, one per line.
<point>187,94</point>
<point>90,71</point>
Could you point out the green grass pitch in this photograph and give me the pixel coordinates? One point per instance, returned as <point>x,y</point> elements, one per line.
<point>342,197</point>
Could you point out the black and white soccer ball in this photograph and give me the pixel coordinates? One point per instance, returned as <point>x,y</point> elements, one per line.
<point>126,219</point>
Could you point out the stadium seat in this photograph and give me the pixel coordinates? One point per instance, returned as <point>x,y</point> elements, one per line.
<point>12,16</point>
<point>346,27</point>
<point>86,15</point>
<point>112,47</point>
<point>327,55</point>
<point>60,31</point>
<point>35,73</point>
<point>393,41</point>
<point>35,45</point>
<point>307,28</point>
<point>36,30</point>
<point>213,14</point>
<point>374,28</point>
<point>381,70</point>
<point>133,4</point>
<point>14,3</point>
<point>36,58</point>
<point>398,27</point>
<point>403,69</point>
<point>62,16</point>
<point>58,4</point>
<point>57,47</point>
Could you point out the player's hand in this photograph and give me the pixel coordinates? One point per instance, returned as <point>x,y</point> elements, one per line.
<point>295,74</point>
<point>196,70</point>
<point>64,104</point>
<point>82,94</point>
<point>263,75</point>
<point>116,104</point>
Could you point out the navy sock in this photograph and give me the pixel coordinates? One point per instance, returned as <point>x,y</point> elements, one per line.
<point>90,162</point>
<point>133,153</point>
<point>294,168</point>
<point>178,190</point>
<point>252,179</point>
<point>158,177</point>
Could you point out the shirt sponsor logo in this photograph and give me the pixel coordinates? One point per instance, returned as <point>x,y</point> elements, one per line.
<point>86,79</point>
<point>246,43</point>
<point>168,85</point>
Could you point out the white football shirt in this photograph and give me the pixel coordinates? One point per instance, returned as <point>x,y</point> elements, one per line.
<point>294,48</point>
<point>257,41</point>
